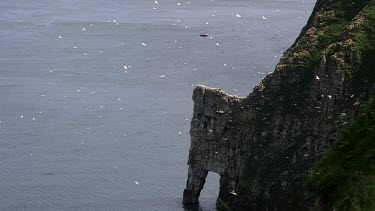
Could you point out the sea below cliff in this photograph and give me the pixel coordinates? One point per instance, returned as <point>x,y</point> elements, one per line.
<point>95,95</point>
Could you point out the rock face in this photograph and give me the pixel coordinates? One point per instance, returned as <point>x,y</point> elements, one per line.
<point>212,145</point>
<point>265,145</point>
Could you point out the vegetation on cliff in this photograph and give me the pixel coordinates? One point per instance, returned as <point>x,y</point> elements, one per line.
<point>340,36</point>
<point>345,178</point>
<point>344,34</point>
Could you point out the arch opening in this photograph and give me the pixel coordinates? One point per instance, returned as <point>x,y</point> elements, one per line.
<point>210,192</point>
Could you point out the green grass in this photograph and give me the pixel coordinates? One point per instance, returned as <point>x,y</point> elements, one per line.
<point>332,31</point>
<point>364,71</point>
<point>345,178</point>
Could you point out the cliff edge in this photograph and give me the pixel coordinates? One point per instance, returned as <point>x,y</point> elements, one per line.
<point>265,146</point>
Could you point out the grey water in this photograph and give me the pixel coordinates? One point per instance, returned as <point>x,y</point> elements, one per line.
<point>95,95</point>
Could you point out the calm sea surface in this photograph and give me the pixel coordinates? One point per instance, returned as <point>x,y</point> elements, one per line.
<point>95,95</point>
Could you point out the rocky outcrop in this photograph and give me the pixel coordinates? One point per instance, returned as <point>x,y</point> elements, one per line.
<point>265,145</point>
<point>212,145</point>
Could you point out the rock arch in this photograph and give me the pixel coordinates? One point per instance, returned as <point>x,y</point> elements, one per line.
<point>214,144</point>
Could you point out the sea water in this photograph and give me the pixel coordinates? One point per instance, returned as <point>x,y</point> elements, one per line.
<point>95,95</point>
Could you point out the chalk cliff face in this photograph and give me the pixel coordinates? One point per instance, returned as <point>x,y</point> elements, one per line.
<point>265,145</point>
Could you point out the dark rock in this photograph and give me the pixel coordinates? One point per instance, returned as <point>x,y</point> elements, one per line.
<point>265,145</point>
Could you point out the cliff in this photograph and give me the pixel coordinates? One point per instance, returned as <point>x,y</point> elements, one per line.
<point>345,178</point>
<point>265,146</point>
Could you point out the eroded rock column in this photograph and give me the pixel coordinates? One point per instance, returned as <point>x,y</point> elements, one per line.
<point>196,179</point>
<point>214,144</point>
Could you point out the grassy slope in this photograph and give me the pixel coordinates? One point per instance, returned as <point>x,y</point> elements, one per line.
<point>345,177</point>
